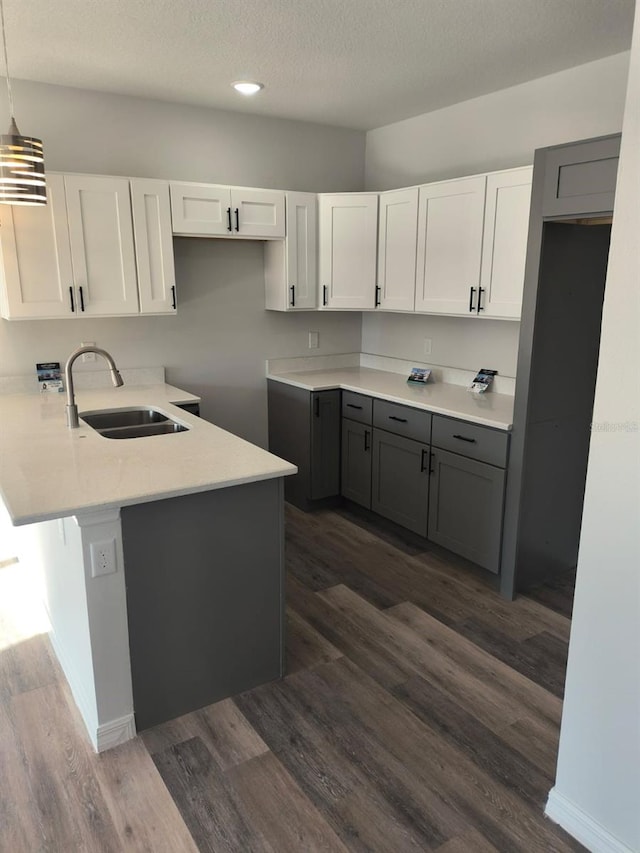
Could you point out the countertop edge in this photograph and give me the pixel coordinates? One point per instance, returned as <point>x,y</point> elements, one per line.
<point>381,395</point>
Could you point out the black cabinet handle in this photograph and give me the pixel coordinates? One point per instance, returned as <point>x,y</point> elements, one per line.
<point>324,294</point>
<point>229,225</point>
<point>394,418</point>
<point>366,440</point>
<point>480,305</point>
<point>464,438</point>
<point>173,296</point>
<point>472,291</point>
<point>237,219</point>
<point>377,299</point>
<point>423,467</point>
<point>81,298</point>
<point>432,456</point>
<point>316,404</point>
<point>73,305</point>
<point>292,290</point>
<point>353,406</point>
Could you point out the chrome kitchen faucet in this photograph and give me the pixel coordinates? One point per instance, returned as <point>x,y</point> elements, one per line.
<point>71,408</point>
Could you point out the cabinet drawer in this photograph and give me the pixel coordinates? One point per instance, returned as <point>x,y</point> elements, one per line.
<point>402,420</point>
<point>357,407</point>
<point>476,442</point>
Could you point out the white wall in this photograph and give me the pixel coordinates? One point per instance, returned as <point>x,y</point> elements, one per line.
<point>598,776</point>
<point>496,131</point>
<point>499,130</point>
<point>467,343</point>
<point>217,344</point>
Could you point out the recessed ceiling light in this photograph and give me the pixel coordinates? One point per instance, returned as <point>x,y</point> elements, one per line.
<point>247,87</point>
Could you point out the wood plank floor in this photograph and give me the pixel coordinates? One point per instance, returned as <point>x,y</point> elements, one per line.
<point>420,712</point>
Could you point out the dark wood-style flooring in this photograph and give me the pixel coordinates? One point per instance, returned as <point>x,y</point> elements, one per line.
<point>420,712</point>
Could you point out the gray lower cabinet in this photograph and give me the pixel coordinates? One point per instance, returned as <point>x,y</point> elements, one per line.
<point>400,480</point>
<point>356,462</point>
<point>466,500</point>
<point>304,429</point>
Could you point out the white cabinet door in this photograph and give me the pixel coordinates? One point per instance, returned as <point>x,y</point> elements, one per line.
<point>257,213</point>
<point>201,210</point>
<point>397,244</point>
<point>154,246</point>
<point>506,228</point>
<point>36,258</point>
<point>290,265</point>
<point>450,222</point>
<point>348,242</point>
<point>102,253</point>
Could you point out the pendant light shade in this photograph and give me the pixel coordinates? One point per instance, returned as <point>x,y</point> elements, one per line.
<point>22,178</point>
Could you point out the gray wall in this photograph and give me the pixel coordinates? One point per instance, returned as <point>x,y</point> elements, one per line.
<point>496,131</point>
<point>217,344</point>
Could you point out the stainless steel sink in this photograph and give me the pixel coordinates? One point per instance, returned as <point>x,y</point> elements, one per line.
<point>143,430</point>
<point>133,422</point>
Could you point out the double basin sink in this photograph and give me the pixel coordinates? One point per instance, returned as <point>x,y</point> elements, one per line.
<point>133,422</point>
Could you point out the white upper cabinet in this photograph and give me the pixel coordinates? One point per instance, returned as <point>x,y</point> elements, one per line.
<point>209,210</point>
<point>397,243</point>
<point>290,265</point>
<point>154,246</point>
<point>450,224</point>
<point>36,258</point>
<point>101,236</point>
<point>506,227</point>
<point>348,249</point>
<point>83,254</point>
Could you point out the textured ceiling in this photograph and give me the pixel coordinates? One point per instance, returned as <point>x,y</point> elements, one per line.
<point>355,63</point>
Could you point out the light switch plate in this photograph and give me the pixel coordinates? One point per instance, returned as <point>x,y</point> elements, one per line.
<point>314,340</point>
<point>427,346</point>
<point>103,558</point>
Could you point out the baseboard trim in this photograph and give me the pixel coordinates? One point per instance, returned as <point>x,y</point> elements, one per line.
<point>115,732</point>
<point>581,826</point>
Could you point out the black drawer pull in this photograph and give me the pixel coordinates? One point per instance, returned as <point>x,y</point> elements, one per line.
<point>292,289</point>
<point>81,298</point>
<point>480,305</point>
<point>353,406</point>
<point>464,438</point>
<point>423,466</point>
<point>73,307</point>
<point>324,294</point>
<point>229,225</point>
<point>394,418</point>
<point>432,456</point>
<point>366,440</point>
<point>377,298</point>
<point>237,219</point>
<point>173,296</point>
<point>472,290</point>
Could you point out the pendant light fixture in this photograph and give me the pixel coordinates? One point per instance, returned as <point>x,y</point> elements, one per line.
<point>22,178</point>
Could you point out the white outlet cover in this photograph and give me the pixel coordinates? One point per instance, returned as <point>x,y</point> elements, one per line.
<point>103,558</point>
<point>88,356</point>
<point>314,340</point>
<point>427,346</point>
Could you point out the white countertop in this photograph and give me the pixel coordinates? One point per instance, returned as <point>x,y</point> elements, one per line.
<point>49,471</point>
<point>455,401</point>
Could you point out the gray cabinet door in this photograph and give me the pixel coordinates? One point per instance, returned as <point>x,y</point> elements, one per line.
<point>581,178</point>
<point>356,462</point>
<point>289,436</point>
<point>325,444</point>
<point>466,500</point>
<point>400,480</point>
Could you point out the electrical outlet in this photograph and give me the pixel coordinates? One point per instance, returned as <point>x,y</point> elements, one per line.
<point>427,346</point>
<point>314,340</point>
<point>88,356</point>
<point>103,558</point>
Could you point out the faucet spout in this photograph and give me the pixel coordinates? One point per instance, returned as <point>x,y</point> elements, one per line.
<point>71,408</point>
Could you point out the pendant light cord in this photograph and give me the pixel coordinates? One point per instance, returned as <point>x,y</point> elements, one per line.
<point>6,59</point>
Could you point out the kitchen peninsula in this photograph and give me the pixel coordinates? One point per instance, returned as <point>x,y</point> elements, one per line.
<point>162,556</point>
